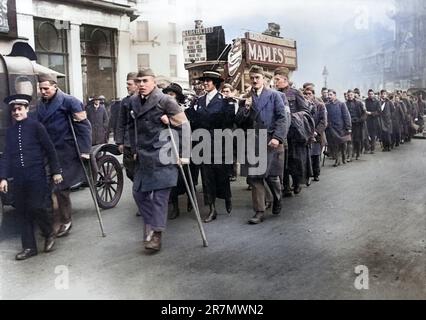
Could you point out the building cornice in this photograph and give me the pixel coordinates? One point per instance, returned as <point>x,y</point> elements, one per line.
<point>106,6</point>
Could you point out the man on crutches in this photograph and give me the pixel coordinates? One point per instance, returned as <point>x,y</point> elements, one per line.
<point>154,178</point>
<point>53,110</point>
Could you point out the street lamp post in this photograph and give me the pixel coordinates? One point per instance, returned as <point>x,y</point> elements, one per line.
<point>325,75</point>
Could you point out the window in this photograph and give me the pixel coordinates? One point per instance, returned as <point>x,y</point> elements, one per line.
<point>143,61</point>
<point>98,61</point>
<point>143,31</point>
<point>173,65</point>
<point>172,2</point>
<point>51,47</point>
<point>172,32</point>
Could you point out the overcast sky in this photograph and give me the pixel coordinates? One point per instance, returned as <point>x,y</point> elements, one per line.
<point>316,25</point>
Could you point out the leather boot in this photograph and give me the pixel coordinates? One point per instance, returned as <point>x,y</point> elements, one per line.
<point>228,205</point>
<point>257,218</point>
<point>212,214</point>
<point>25,254</point>
<point>175,211</point>
<point>147,235</point>
<point>64,230</point>
<point>155,243</point>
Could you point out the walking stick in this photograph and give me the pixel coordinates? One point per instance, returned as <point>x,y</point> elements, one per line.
<point>191,193</point>
<point>89,178</point>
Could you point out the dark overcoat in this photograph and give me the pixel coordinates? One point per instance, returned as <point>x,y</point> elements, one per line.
<point>385,120</point>
<point>267,112</point>
<point>358,116</point>
<point>339,123</point>
<point>398,117</point>
<point>114,117</point>
<point>124,120</point>
<point>319,113</point>
<point>151,174</point>
<point>218,114</point>
<point>54,114</point>
<point>99,120</point>
<point>373,125</point>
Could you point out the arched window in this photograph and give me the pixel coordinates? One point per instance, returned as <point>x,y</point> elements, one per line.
<point>98,60</point>
<point>51,47</point>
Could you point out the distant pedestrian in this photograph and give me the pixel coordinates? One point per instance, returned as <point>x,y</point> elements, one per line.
<point>98,117</point>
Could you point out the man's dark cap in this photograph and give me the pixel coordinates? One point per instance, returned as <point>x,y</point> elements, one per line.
<point>211,75</point>
<point>23,99</point>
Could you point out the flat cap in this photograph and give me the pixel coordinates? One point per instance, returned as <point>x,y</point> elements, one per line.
<point>268,75</point>
<point>146,72</point>
<point>257,69</point>
<point>47,77</point>
<point>282,71</point>
<point>132,76</point>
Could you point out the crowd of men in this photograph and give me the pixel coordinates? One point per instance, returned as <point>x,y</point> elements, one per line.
<point>299,128</point>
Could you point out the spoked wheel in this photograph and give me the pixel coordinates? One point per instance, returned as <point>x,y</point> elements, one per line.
<point>109,182</point>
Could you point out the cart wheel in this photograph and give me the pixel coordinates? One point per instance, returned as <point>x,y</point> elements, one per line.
<point>109,182</point>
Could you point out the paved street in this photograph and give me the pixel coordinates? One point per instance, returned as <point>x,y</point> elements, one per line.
<point>370,212</point>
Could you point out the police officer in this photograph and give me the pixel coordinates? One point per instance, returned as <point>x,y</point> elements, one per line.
<point>212,111</point>
<point>27,143</point>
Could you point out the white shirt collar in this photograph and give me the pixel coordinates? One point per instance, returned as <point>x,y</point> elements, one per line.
<point>211,94</point>
<point>259,91</point>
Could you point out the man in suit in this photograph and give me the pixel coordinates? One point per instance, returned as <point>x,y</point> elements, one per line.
<point>265,111</point>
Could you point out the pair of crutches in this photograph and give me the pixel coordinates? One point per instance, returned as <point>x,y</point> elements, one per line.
<point>190,189</point>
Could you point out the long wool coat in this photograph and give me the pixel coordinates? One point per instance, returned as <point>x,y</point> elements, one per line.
<point>267,112</point>
<point>373,125</point>
<point>339,123</point>
<point>151,174</point>
<point>358,116</point>
<point>218,114</point>
<point>54,115</point>
<point>99,120</point>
